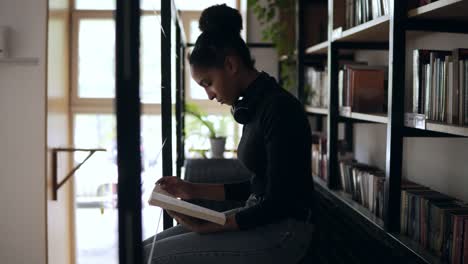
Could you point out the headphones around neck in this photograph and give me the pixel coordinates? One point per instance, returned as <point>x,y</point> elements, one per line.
<point>243,109</point>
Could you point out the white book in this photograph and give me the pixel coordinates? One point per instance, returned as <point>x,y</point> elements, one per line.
<point>163,199</point>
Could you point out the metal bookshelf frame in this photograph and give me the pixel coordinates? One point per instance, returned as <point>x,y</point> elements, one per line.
<point>440,16</point>
<point>128,114</point>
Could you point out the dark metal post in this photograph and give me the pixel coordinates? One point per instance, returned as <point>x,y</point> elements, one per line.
<point>300,46</point>
<point>332,122</point>
<point>179,102</point>
<point>128,130</point>
<point>396,95</point>
<point>166,83</point>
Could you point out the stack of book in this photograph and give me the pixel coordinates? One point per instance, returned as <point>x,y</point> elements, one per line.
<point>317,83</point>
<point>437,221</point>
<point>440,85</point>
<point>365,184</point>
<point>319,156</point>
<point>363,88</point>
<point>361,11</point>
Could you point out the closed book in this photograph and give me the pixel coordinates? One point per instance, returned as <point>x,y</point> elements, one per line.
<point>367,88</point>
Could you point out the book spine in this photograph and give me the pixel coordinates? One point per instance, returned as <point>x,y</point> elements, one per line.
<point>416,78</point>
<point>427,94</point>
<point>465,243</point>
<point>457,240</point>
<point>456,89</point>
<point>461,65</point>
<point>450,93</point>
<point>465,98</point>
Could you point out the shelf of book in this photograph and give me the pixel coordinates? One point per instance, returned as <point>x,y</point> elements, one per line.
<point>316,110</point>
<point>345,198</point>
<point>375,118</point>
<point>376,30</point>
<point>441,9</point>
<point>321,48</point>
<point>403,241</point>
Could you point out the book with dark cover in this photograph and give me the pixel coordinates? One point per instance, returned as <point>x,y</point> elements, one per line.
<point>458,56</point>
<point>465,243</point>
<point>458,234</point>
<point>367,89</point>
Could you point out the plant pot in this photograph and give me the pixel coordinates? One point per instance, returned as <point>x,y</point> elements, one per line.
<point>217,147</point>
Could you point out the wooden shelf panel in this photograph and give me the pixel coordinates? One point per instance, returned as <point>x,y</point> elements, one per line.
<point>376,30</point>
<point>321,48</point>
<point>345,198</point>
<point>316,110</point>
<point>442,10</point>
<point>376,118</point>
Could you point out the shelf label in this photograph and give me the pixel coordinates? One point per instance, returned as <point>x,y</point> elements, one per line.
<point>345,111</point>
<point>337,33</point>
<point>415,120</point>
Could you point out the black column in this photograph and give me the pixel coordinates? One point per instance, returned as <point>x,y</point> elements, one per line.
<point>396,95</point>
<point>128,130</point>
<point>166,83</point>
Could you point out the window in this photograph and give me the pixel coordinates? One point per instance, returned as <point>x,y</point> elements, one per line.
<point>93,91</point>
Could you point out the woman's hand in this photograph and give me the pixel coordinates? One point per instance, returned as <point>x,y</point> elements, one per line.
<point>177,187</point>
<point>201,226</point>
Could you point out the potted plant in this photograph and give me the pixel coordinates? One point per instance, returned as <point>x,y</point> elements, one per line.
<point>217,138</point>
<point>278,20</point>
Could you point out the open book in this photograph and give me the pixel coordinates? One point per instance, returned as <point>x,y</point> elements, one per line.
<point>165,200</point>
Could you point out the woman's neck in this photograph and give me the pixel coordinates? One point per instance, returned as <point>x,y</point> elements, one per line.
<point>250,77</point>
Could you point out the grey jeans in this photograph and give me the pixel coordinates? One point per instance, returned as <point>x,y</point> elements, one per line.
<point>282,242</point>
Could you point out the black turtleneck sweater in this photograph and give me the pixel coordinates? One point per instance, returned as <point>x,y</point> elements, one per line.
<point>276,147</point>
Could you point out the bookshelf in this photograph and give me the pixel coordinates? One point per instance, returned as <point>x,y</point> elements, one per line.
<point>375,30</point>
<point>386,32</point>
<point>442,9</point>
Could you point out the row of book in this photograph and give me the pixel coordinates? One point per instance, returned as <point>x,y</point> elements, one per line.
<point>363,88</point>
<point>317,84</point>
<point>437,221</point>
<point>319,156</point>
<point>365,184</point>
<point>361,11</point>
<point>440,85</point>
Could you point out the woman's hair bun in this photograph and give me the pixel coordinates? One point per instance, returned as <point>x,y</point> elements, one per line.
<point>220,18</point>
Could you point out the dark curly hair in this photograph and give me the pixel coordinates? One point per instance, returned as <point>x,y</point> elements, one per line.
<point>221,26</point>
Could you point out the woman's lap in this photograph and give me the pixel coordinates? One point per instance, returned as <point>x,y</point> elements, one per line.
<point>282,242</point>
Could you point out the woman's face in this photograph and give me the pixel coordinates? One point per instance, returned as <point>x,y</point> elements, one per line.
<point>219,83</point>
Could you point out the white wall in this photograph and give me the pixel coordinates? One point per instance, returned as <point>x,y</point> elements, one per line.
<point>22,136</point>
<point>439,163</point>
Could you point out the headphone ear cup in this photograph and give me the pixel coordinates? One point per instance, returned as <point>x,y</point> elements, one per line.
<point>241,112</point>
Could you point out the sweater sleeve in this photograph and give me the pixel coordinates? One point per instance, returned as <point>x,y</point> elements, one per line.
<point>287,145</point>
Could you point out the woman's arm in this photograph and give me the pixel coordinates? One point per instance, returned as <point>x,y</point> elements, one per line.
<point>217,192</point>
<point>207,191</point>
